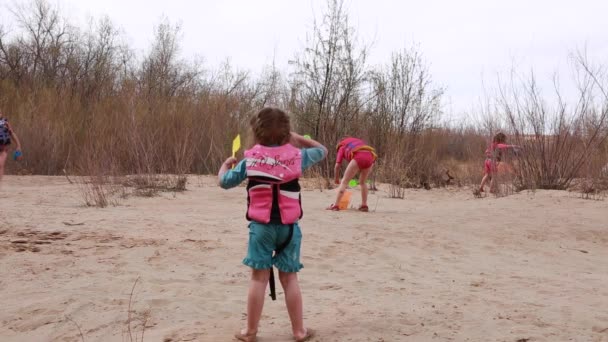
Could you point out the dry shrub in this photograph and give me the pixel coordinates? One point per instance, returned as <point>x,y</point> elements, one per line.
<point>407,165</point>
<point>391,171</point>
<point>150,185</point>
<point>97,179</point>
<point>464,173</point>
<point>317,180</point>
<point>97,192</point>
<point>157,114</point>
<point>432,158</point>
<point>505,179</point>
<point>137,320</point>
<point>558,142</point>
<point>592,189</point>
<point>84,102</point>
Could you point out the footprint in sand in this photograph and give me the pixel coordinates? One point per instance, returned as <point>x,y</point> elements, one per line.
<point>31,240</point>
<point>331,287</point>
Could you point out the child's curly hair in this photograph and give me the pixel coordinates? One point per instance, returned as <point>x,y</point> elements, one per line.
<point>500,138</point>
<point>271,127</point>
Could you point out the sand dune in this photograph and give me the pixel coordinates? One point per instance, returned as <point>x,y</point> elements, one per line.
<point>439,265</point>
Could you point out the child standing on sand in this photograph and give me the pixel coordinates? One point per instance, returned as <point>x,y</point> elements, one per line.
<point>361,158</point>
<point>272,168</point>
<point>494,154</point>
<point>7,135</point>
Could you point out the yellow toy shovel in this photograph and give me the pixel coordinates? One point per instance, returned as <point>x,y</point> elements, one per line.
<point>236,145</point>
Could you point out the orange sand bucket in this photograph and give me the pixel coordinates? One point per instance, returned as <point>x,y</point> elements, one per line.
<point>345,200</point>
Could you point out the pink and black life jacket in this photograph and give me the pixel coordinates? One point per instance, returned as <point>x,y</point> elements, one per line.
<point>273,190</point>
<point>352,145</point>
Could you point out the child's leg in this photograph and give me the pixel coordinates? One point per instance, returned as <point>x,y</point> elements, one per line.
<point>363,183</point>
<point>293,300</point>
<point>493,184</point>
<point>3,154</point>
<point>488,168</point>
<point>255,300</point>
<point>351,171</point>
<point>483,181</point>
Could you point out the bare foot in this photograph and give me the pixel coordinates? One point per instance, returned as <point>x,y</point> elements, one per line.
<point>246,336</point>
<point>477,193</point>
<point>306,336</point>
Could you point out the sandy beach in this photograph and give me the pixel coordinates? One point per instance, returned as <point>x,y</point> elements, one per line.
<point>439,265</point>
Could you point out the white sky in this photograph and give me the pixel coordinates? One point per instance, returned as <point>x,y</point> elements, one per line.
<point>464,41</point>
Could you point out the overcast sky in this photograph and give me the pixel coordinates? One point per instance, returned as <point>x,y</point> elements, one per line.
<point>463,41</point>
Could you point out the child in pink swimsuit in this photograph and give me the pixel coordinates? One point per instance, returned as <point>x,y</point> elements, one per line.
<point>361,158</point>
<point>493,158</point>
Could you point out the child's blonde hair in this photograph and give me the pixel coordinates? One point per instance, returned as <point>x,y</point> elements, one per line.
<point>271,126</point>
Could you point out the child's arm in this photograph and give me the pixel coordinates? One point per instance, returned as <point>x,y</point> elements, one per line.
<point>299,141</point>
<point>337,168</point>
<point>338,165</point>
<point>312,151</point>
<point>515,148</point>
<point>226,166</point>
<point>16,138</point>
<point>505,146</point>
<point>229,177</point>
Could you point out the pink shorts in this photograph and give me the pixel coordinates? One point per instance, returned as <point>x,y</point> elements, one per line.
<point>489,167</point>
<point>364,159</point>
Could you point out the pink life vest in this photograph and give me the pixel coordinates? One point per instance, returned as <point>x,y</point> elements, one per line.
<point>273,190</point>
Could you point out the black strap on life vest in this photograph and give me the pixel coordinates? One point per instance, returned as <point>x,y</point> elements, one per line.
<point>279,249</point>
<point>275,212</point>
